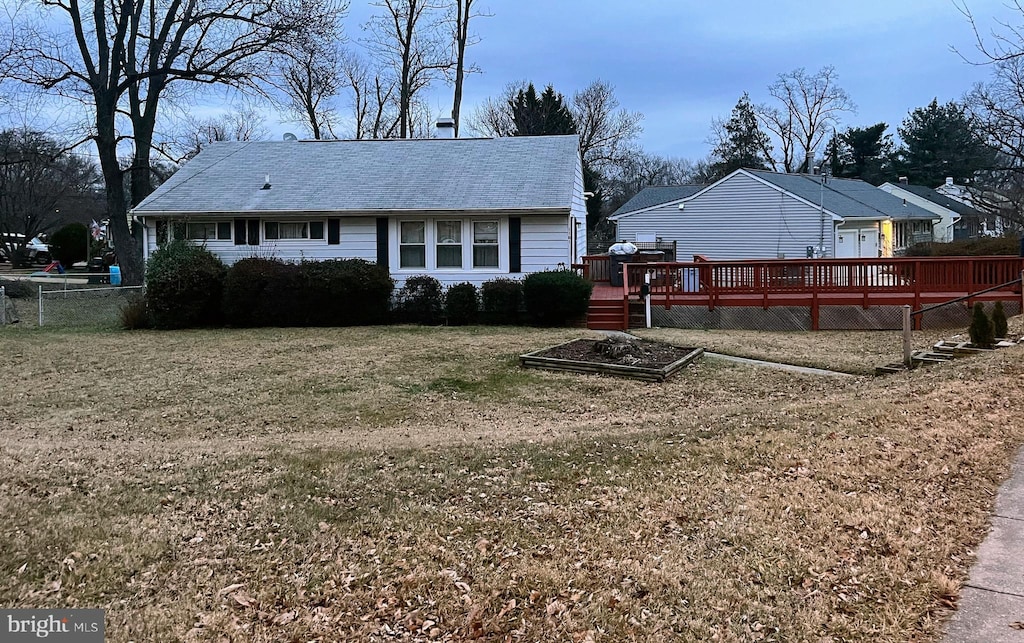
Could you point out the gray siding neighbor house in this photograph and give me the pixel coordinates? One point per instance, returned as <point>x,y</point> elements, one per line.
<point>756,214</point>
<point>457,209</point>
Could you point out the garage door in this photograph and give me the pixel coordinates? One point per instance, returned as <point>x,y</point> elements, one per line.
<point>854,243</point>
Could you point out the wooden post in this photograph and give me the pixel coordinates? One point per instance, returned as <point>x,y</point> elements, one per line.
<point>625,296</point>
<point>908,348</point>
<point>647,299</point>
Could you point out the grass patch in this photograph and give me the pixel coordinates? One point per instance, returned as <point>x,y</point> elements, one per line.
<point>271,485</point>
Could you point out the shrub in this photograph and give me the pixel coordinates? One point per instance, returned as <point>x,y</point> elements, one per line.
<point>556,297</point>
<point>135,315</point>
<point>70,244</point>
<point>17,289</point>
<point>420,301</point>
<point>343,292</point>
<point>502,300</point>
<point>462,304</point>
<point>260,292</point>
<point>183,286</point>
<point>981,328</point>
<point>980,247</point>
<point>999,325</point>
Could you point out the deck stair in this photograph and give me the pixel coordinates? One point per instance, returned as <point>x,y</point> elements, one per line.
<point>606,314</point>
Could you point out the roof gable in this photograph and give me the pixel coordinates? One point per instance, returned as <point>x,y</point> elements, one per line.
<point>374,175</point>
<point>846,198</point>
<point>938,199</point>
<point>653,195</point>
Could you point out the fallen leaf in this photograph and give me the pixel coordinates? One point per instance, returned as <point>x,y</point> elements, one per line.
<point>230,588</point>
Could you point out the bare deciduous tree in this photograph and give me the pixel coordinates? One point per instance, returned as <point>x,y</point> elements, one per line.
<point>462,14</point>
<point>243,124</point>
<point>493,117</point>
<point>606,131</point>
<point>409,37</point>
<point>373,98</point>
<point>310,79</point>
<point>811,106</point>
<point>38,177</point>
<point>121,57</point>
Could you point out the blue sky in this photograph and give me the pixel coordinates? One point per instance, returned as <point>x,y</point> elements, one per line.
<point>685,62</point>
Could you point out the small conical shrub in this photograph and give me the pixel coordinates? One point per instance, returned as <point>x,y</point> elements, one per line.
<point>981,328</point>
<point>999,321</point>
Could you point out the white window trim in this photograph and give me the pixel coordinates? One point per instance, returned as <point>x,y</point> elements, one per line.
<point>430,238</point>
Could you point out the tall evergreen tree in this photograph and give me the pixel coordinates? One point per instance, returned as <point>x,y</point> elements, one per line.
<point>743,143</point>
<point>861,153</point>
<point>534,115</point>
<point>942,141</point>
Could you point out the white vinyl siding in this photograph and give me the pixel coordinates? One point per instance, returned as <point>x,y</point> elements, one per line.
<point>358,241</point>
<point>545,245</point>
<point>578,217</point>
<point>739,218</point>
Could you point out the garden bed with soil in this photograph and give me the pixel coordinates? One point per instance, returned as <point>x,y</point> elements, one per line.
<point>624,357</point>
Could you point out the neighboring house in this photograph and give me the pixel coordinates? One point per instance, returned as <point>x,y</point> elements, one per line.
<point>657,195</point>
<point>984,224</point>
<point>756,214</point>
<point>958,220</point>
<point>458,209</point>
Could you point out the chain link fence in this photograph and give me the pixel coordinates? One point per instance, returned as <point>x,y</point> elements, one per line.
<point>92,306</point>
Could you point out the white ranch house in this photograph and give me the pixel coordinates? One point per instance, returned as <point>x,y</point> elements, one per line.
<point>458,209</point>
<point>756,214</point>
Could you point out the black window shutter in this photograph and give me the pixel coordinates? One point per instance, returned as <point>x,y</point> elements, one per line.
<point>253,236</point>
<point>333,232</point>
<point>382,241</point>
<point>515,244</point>
<point>239,232</point>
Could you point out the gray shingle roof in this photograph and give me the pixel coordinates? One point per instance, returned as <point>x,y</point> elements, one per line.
<point>845,197</point>
<point>940,199</point>
<point>656,195</point>
<point>418,174</point>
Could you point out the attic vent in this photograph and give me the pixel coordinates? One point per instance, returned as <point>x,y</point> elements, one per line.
<point>266,184</point>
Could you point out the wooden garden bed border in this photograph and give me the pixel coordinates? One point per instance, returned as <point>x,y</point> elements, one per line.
<point>534,360</point>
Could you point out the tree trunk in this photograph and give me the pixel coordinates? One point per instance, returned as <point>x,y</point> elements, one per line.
<point>129,253</point>
<point>461,36</point>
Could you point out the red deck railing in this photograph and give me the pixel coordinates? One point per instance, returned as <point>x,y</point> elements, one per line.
<point>810,282</point>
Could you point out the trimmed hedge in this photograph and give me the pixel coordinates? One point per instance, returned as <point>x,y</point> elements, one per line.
<point>183,286</point>
<point>344,292</point>
<point>260,292</point>
<point>337,292</point>
<point>420,301</point>
<point>502,300</point>
<point>556,297</point>
<point>980,247</point>
<point>462,304</point>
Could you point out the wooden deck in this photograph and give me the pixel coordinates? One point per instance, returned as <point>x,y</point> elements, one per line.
<point>811,283</point>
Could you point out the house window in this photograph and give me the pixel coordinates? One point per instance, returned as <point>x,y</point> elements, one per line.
<point>316,230</point>
<point>287,230</point>
<point>449,244</point>
<point>485,244</point>
<point>412,247</point>
<point>208,230</point>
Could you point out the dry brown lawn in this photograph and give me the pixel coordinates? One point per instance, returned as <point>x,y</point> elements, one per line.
<point>856,352</point>
<point>405,483</point>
